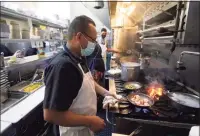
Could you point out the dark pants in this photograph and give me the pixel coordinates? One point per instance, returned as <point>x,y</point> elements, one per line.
<point>108,59</point>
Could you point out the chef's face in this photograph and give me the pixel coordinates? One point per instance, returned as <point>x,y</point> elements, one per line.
<point>90,35</point>
<point>103,34</point>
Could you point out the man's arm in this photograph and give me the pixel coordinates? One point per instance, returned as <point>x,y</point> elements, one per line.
<point>66,118</point>
<point>102,91</point>
<point>110,49</point>
<point>70,119</point>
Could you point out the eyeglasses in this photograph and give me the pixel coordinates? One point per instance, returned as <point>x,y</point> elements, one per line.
<point>94,41</point>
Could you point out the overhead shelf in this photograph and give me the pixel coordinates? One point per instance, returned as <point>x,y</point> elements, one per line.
<point>158,40</point>
<point>153,12</point>
<point>28,59</point>
<point>3,40</point>
<point>11,13</point>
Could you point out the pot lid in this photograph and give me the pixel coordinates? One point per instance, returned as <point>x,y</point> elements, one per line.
<point>130,64</point>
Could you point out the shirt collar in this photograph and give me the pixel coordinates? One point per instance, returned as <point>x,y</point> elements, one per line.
<point>71,55</point>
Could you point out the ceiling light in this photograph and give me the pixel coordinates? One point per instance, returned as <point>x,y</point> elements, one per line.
<point>131,9</point>
<point>122,10</point>
<point>119,21</point>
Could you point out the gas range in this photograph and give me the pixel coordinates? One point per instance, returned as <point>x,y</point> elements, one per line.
<point>161,113</point>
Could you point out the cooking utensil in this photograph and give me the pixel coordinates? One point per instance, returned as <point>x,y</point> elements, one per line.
<point>144,62</point>
<point>130,71</point>
<point>114,71</point>
<point>142,96</point>
<point>34,77</point>
<point>132,86</point>
<point>184,101</point>
<point>136,131</point>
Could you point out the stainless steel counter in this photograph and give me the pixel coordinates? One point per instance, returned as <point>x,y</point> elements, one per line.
<point>4,126</point>
<point>17,112</point>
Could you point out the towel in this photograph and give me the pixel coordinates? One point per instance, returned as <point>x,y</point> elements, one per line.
<point>194,131</point>
<point>111,100</point>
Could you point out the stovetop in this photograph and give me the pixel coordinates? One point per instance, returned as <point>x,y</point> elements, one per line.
<point>162,110</point>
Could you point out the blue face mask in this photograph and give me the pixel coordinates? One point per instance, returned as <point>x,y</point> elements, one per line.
<point>89,50</point>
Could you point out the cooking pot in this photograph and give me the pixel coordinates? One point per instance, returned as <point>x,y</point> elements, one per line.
<point>130,71</point>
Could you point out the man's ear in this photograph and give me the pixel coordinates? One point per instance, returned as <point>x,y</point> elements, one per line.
<point>78,35</point>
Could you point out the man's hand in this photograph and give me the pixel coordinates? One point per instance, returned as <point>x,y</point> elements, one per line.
<point>96,123</point>
<point>113,94</point>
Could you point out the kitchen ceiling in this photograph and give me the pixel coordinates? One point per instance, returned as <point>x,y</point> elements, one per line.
<point>131,12</point>
<point>102,14</point>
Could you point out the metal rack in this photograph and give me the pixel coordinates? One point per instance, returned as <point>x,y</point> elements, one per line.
<point>11,13</point>
<point>5,40</point>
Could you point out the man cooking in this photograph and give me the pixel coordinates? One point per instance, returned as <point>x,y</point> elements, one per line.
<point>106,48</point>
<point>70,94</point>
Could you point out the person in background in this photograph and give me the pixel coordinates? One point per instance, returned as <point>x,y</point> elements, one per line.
<point>96,64</point>
<point>70,91</point>
<point>31,51</point>
<point>97,67</point>
<point>34,51</point>
<point>5,50</point>
<point>106,48</point>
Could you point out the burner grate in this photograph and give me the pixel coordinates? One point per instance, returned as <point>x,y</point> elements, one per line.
<point>162,110</point>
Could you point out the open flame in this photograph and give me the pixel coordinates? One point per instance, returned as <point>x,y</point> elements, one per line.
<point>155,90</point>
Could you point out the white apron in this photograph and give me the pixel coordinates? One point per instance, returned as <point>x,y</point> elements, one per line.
<point>85,103</point>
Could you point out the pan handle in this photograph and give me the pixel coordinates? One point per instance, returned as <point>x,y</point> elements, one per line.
<point>136,131</point>
<point>107,118</point>
<point>166,92</point>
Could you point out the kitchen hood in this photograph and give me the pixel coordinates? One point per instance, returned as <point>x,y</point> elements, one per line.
<point>100,10</point>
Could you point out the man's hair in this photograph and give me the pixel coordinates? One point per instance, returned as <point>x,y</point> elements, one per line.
<point>79,24</point>
<point>103,30</point>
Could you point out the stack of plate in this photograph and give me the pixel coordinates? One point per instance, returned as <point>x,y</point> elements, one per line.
<point>4,85</point>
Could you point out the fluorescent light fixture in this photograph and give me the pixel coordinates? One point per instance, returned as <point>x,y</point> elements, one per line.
<point>119,21</point>
<point>122,10</point>
<point>131,9</point>
<point>128,10</point>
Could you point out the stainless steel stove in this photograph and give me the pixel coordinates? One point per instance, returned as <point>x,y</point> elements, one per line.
<point>162,113</point>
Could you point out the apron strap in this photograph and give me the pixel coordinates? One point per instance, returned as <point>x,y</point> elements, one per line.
<point>81,68</point>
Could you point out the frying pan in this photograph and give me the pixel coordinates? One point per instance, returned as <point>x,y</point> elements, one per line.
<point>184,101</point>
<point>137,85</point>
<point>144,96</point>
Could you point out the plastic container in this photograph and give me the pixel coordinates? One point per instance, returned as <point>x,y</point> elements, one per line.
<point>25,34</point>
<point>15,29</point>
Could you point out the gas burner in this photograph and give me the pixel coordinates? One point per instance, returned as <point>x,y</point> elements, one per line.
<point>161,112</point>
<point>123,105</point>
<point>162,109</point>
<point>142,110</point>
<point>125,111</point>
<point>146,111</point>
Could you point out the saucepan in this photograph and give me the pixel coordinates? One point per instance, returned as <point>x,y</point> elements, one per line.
<point>132,86</point>
<point>140,100</point>
<point>184,101</point>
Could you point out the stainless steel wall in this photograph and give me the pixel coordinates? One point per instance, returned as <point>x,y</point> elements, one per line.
<point>13,47</point>
<point>25,70</point>
<point>190,76</point>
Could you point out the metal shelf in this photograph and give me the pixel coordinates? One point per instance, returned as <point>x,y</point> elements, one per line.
<point>155,11</point>
<point>29,59</point>
<point>11,13</point>
<point>3,40</point>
